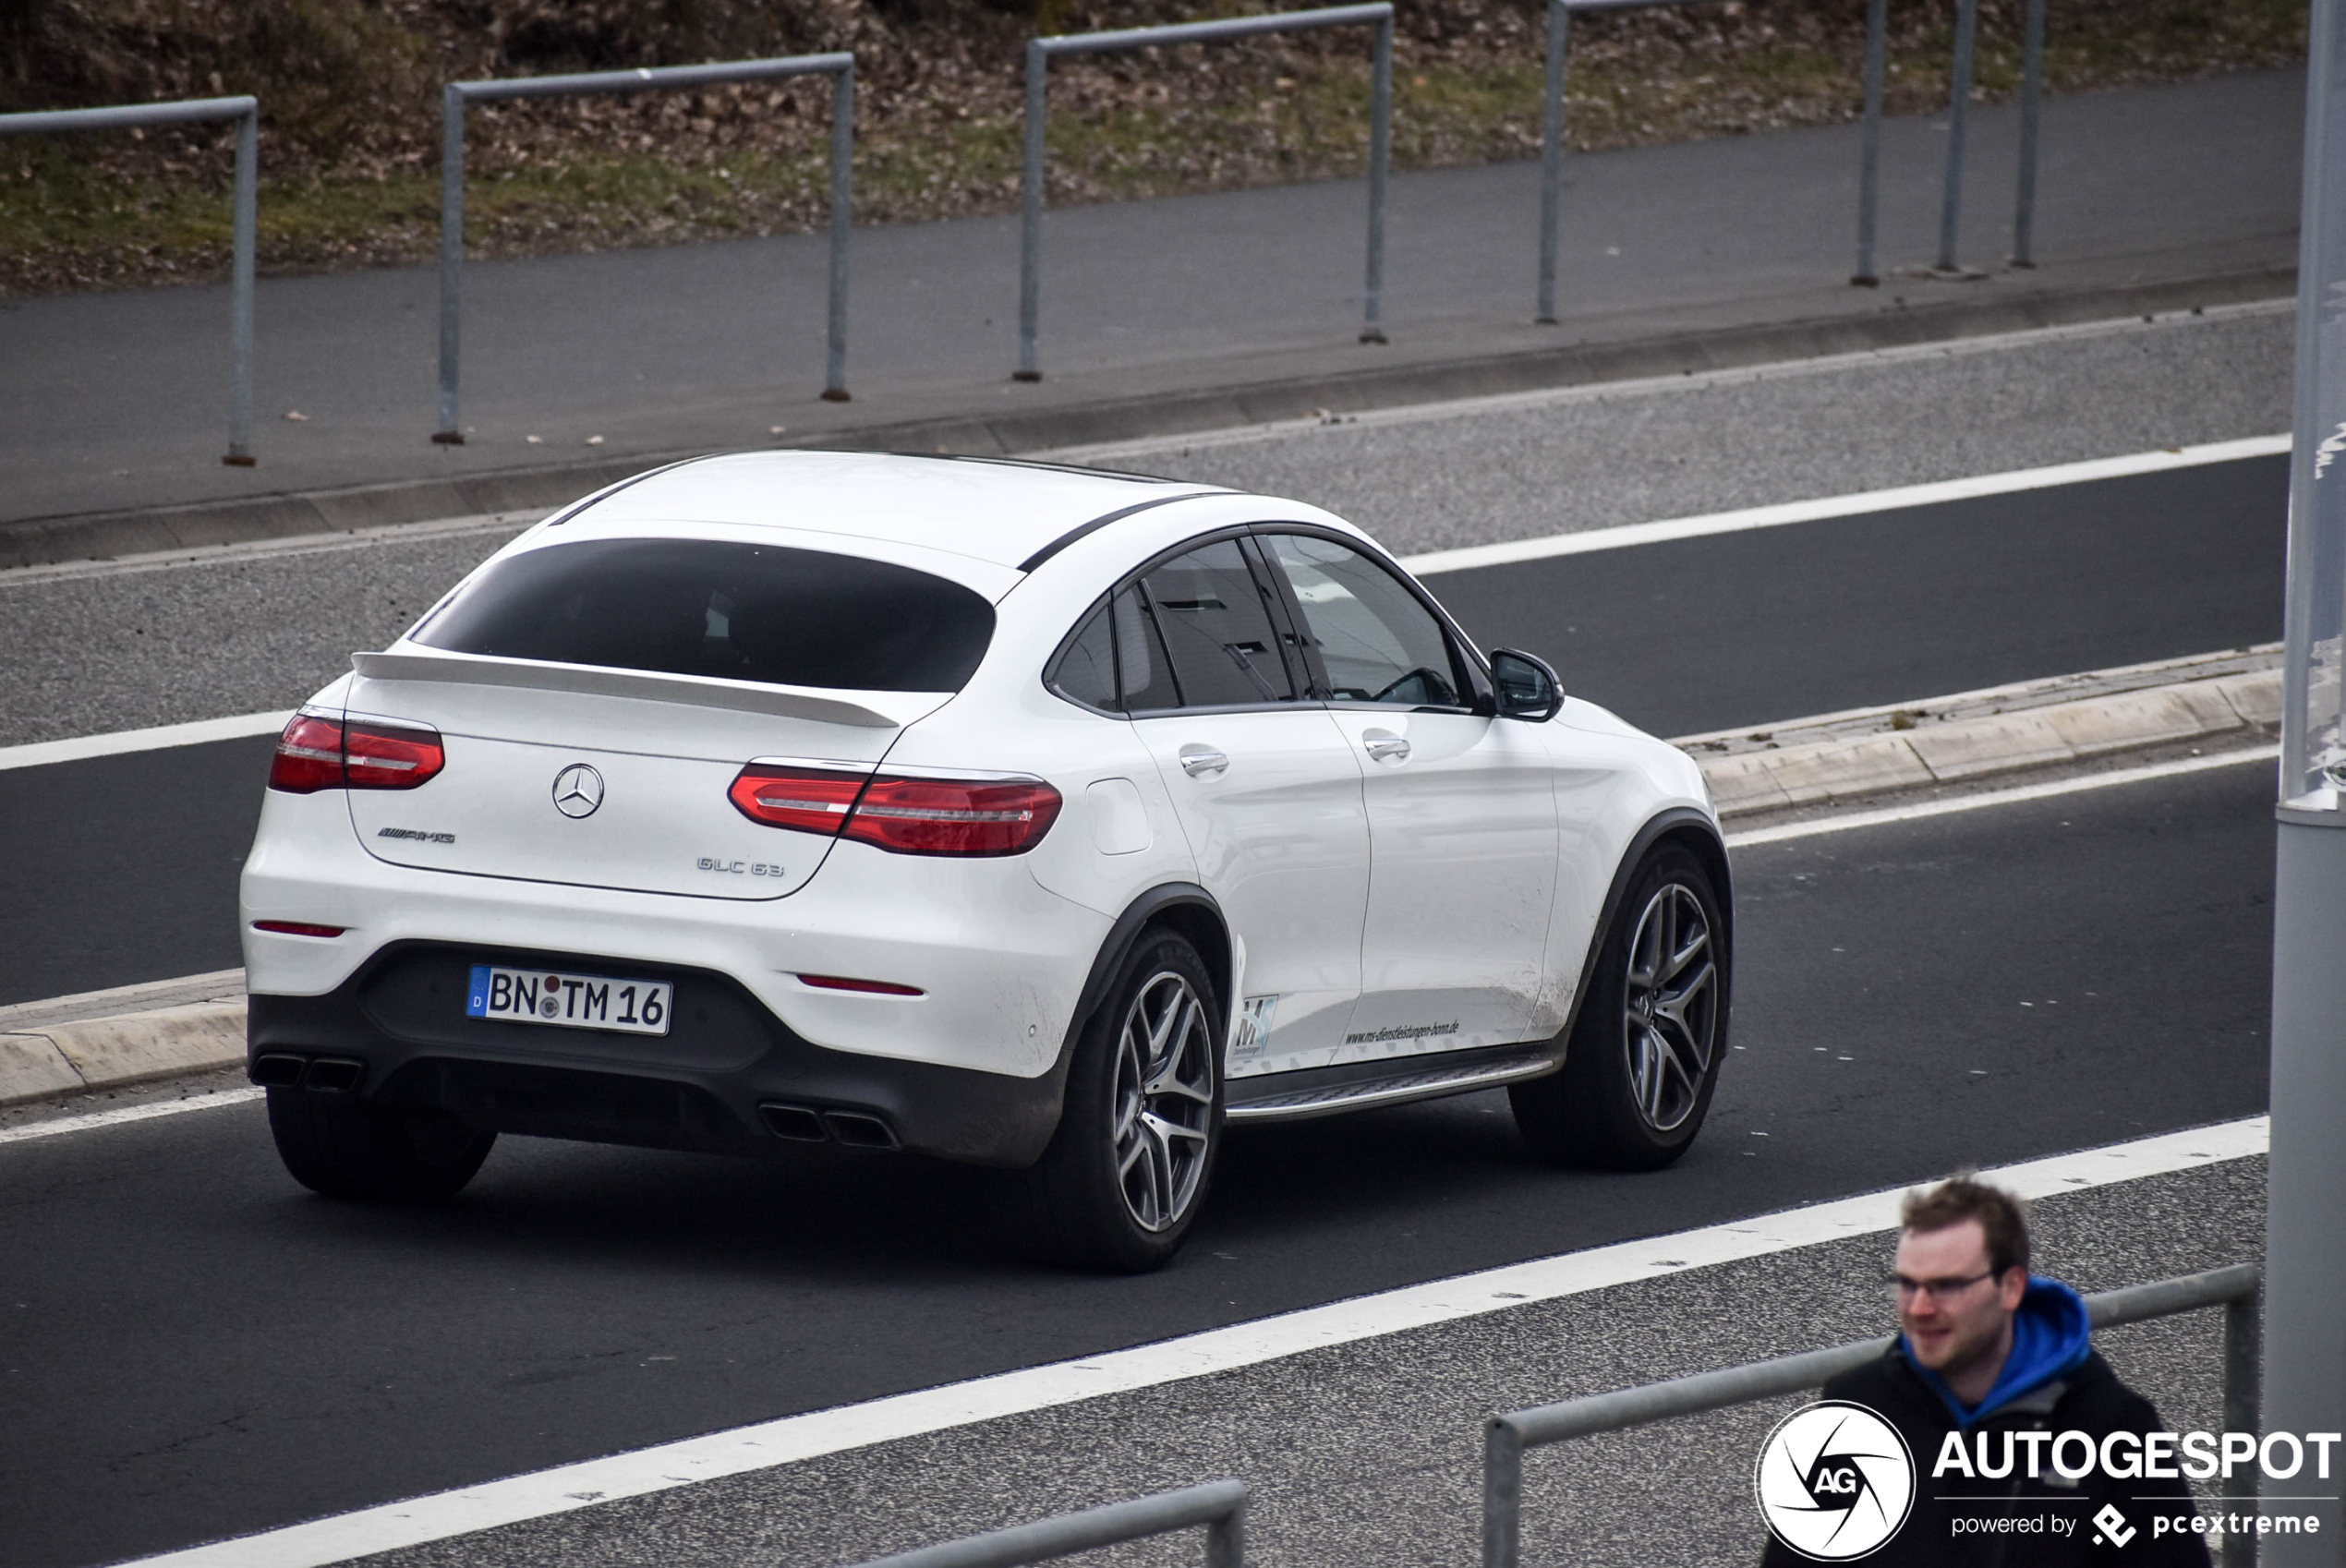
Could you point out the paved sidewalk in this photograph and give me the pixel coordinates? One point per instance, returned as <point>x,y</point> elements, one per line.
<point>116,401</point>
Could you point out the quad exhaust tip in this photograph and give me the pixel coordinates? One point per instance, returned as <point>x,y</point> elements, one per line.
<point>324,1075</point>
<point>810,1124</point>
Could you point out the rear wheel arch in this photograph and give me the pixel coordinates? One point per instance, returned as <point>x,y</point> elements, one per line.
<point>1180,907</point>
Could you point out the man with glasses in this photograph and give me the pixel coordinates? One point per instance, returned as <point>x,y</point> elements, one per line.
<point>2003,1358</point>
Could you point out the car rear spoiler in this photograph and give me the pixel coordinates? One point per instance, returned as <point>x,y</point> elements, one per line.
<point>648,685</point>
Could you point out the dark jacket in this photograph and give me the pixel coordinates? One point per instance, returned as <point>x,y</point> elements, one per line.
<point>2054,1382</point>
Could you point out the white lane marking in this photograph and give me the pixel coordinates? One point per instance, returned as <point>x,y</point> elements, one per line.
<point>797,1437</point>
<point>1605,391</point>
<point>122,1114</point>
<point>43,752</point>
<point>40,754</point>
<point>1850,820</point>
<point>293,544</point>
<point>212,986</point>
<point>1631,534</point>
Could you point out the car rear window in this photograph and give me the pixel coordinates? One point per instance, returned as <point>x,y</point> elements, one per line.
<point>705,607</point>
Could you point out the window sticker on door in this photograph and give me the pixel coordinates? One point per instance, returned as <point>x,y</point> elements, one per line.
<point>1254,1028</point>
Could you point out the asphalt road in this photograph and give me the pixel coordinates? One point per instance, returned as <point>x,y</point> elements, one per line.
<point>195,1348</point>
<point>136,857</point>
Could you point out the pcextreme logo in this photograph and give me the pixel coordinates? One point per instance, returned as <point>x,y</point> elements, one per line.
<point>1834,1481</point>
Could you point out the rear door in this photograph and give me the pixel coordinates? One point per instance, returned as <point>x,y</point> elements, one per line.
<point>1265,788</point>
<point>1461,808</point>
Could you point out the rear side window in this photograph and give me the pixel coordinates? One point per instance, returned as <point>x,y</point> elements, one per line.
<point>767,613</point>
<point>1210,612</point>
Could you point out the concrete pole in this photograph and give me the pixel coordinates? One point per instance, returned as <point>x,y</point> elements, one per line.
<point>2305,1219</point>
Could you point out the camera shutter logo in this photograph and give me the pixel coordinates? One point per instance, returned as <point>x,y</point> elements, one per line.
<point>1834,1481</point>
<point>578,790</point>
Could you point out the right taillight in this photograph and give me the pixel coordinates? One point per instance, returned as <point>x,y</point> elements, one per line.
<point>317,752</point>
<point>902,814</point>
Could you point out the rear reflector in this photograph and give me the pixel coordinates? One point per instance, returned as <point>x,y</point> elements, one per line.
<point>903,815</point>
<point>841,982</point>
<point>298,928</point>
<point>316,753</point>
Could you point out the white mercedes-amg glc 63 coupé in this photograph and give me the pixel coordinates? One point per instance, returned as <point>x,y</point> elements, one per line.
<point>1030,816</point>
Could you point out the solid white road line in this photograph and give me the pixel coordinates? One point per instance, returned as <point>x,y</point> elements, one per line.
<point>796,1438</point>
<point>1643,386</point>
<point>40,754</point>
<point>1849,821</point>
<point>1634,533</point>
<point>121,1114</point>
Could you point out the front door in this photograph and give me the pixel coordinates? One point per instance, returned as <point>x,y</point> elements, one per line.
<point>1461,806</point>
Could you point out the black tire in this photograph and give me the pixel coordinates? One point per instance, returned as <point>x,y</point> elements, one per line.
<point>1652,1029</point>
<point>1116,1191</point>
<point>342,1147</point>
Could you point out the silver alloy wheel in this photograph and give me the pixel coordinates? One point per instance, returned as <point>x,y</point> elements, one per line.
<point>1670,1007</point>
<point>1164,1100</point>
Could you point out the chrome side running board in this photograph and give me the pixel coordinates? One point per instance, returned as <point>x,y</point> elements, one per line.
<point>1423,1083</point>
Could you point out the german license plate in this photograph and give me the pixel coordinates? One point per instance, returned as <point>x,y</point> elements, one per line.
<point>569,1001</point>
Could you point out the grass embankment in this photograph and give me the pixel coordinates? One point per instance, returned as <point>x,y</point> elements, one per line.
<point>349,90</point>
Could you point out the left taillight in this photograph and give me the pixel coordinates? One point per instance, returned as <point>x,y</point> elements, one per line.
<point>902,814</point>
<point>316,753</point>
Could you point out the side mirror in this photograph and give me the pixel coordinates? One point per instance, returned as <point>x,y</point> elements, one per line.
<point>1529,689</point>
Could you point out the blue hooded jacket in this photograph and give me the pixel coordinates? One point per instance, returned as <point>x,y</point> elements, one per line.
<point>2049,1339</point>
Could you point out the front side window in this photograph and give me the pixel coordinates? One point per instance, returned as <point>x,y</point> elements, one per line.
<point>1378,642</point>
<point>767,613</point>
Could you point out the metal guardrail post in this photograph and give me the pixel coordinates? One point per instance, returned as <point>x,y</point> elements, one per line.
<point>842,220</point>
<point>1552,154</point>
<point>244,221</point>
<point>1869,161</point>
<point>1958,107</point>
<point>2243,1398</point>
<point>1030,222</point>
<point>1039,51</point>
<point>1380,156</point>
<point>2032,83</point>
<point>2236,1288</point>
<point>1220,1506</point>
<point>457,94</point>
<point>243,228</point>
<point>452,256</point>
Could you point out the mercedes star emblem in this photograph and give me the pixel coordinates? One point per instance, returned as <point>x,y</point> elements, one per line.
<point>578,790</point>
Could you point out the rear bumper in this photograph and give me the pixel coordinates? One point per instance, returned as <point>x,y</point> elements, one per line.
<point>730,1077</point>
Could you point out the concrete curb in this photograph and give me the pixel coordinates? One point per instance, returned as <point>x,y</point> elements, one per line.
<point>43,541</point>
<point>50,1050</point>
<point>74,1058</point>
<point>1974,734</point>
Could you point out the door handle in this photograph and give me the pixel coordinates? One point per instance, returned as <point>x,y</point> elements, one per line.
<point>1201,762</point>
<point>1385,747</point>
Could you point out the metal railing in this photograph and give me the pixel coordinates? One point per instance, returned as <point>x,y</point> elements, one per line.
<point>2032,81</point>
<point>1039,51</point>
<point>840,67</point>
<point>1552,107</point>
<point>246,111</point>
<point>2237,1289</point>
<point>1220,1506</point>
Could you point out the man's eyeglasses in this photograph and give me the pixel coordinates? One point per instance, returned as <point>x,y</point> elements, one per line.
<point>1940,1291</point>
